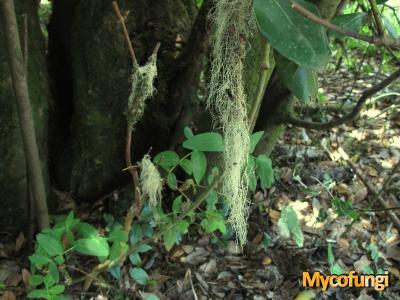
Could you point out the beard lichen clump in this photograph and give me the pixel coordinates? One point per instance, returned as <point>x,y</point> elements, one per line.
<point>150,181</point>
<point>142,89</point>
<point>233,24</point>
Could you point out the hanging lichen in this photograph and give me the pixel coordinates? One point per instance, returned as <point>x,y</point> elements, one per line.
<point>142,89</point>
<point>150,181</point>
<point>233,23</point>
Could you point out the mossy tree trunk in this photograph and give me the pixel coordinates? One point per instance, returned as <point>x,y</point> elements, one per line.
<point>13,174</point>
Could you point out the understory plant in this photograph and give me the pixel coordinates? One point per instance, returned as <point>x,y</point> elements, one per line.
<point>54,263</point>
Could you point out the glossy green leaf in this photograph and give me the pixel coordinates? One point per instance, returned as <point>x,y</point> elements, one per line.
<point>96,246</point>
<point>391,29</point>
<point>87,231</point>
<point>166,159</point>
<point>199,162</point>
<point>170,238</point>
<point>117,250</point>
<point>301,81</point>
<point>264,171</point>
<point>52,246</point>
<point>353,22</point>
<point>139,275</point>
<point>208,142</point>
<point>291,34</point>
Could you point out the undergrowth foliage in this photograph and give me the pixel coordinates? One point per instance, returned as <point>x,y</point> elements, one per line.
<point>233,25</point>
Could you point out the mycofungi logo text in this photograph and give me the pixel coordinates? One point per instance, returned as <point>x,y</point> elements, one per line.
<point>378,282</point>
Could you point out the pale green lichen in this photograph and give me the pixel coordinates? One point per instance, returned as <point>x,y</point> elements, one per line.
<point>233,23</point>
<point>142,89</point>
<point>150,181</point>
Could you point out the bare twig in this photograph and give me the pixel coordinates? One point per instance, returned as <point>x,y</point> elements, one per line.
<point>381,40</point>
<point>291,119</point>
<point>393,217</point>
<point>124,31</point>
<point>19,79</point>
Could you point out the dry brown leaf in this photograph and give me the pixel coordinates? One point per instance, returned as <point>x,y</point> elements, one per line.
<point>274,215</point>
<point>19,242</point>
<point>25,276</point>
<point>8,295</point>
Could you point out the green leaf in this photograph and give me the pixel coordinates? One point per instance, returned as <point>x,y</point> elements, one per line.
<point>177,205</point>
<point>69,220</point>
<point>266,241</point>
<point>254,139</point>
<point>373,248</point>
<point>35,280</point>
<point>52,246</point>
<point>331,258</point>
<point>391,29</point>
<point>166,159</point>
<point>136,233</point>
<point>199,3</point>
<point>288,224</point>
<point>87,231</point>
<point>53,272</point>
<point>291,34</point>
<point>118,235</point>
<point>187,166</point>
<point>301,81</point>
<point>187,131</point>
<point>213,221</point>
<point>144,248</point>
<point>171,180</point>
<point>152,296</point>
<point>170,238</point>
<point>353,22</point>
<point>135,259</point>
<point>183,226</point>
<point>212,200</point>
<point>48,281</point>
<point>139,275</point>
<point>264,171</point>
<point>39,294</point>
<point>38,260</point>
<point>208,142</point>
<point>96,246</point>
<point>57,289</point>
<point>117,250</point>
<point>199,161</point>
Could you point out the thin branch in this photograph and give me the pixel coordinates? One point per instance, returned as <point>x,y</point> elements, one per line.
<point>124,31</point>
<point>20,84</point>
<point>383,41</point>
<point>291,119</point>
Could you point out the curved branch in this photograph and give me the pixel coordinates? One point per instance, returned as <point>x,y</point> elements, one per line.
<point>291,119</point>
<point>381,40</point>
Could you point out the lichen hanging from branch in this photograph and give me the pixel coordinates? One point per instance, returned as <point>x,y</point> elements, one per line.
<point>233,24</point>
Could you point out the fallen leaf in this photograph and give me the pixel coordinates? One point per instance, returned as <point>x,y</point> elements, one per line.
<point>8,295</point>
<point>19,242</point>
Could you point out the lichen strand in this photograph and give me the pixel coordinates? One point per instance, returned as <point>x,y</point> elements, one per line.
<point>150,181</point>
<point>142,89</point>
<point>233,23</point>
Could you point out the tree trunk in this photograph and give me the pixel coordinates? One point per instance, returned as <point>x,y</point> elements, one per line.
<point>13,175</point>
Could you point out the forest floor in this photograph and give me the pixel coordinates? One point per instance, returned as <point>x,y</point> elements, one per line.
<point>316,181</point>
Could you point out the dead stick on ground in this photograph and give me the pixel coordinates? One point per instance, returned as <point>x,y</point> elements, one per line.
<point>393,217</point>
